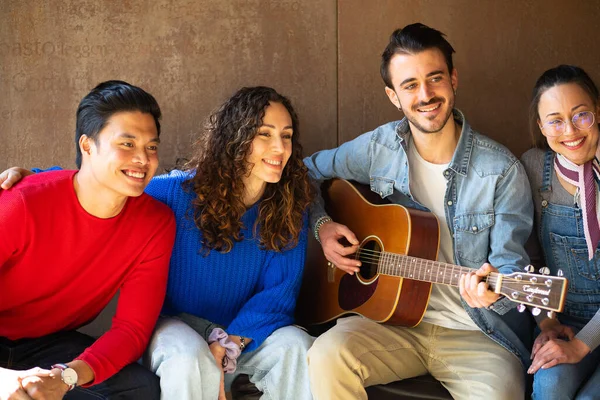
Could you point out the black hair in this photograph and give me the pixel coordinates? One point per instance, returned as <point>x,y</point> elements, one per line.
<point>412,39</point>
<point>560,75</point>
<point>107,99</point>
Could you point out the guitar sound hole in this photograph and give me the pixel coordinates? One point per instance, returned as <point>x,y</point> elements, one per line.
<point>369,255</point>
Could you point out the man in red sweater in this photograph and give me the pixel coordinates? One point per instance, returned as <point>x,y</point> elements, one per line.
<point>69,240</point>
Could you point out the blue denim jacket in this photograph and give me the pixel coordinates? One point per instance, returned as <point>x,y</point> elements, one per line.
<point>488,207</point>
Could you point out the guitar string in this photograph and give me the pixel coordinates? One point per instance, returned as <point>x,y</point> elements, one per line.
<point>376,256</point>
<point>449,274</point>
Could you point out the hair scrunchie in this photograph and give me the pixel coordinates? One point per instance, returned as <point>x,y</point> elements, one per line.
<point>232,350</point>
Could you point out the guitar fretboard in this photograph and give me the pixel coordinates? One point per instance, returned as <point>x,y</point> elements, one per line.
<point>421,269</point>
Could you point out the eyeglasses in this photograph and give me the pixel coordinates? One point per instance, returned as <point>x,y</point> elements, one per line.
<point>556,127</point>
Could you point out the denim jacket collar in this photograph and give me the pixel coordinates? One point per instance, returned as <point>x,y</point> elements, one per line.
<point>464,148</point>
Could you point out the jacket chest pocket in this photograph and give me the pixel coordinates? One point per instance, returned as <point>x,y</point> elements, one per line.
<point>472,236</point>
<point>382,186</point>
<point>571,253</point>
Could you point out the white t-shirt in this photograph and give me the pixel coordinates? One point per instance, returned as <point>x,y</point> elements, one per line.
<point>428,187</point>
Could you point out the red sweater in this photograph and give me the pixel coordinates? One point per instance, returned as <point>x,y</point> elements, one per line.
<point>60,266</point>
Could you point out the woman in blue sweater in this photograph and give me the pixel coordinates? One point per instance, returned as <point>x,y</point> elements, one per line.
<point>238,257</point>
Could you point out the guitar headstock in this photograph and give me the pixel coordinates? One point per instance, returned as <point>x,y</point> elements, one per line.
<point>540,291</point>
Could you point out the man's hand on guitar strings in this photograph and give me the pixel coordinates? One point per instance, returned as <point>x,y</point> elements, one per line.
<point>335,252</point>
<point>474,290</point>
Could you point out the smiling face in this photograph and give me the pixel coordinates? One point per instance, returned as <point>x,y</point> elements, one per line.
<point>124,156</point>
<point>424,88</point>
<point>563,102</point>
<point>271,150</point>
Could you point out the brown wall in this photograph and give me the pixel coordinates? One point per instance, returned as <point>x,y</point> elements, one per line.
<point>323,54</point>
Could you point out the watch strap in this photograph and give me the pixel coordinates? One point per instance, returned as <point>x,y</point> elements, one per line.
<point>62,368</point>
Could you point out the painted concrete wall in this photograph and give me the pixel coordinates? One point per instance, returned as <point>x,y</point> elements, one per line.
<point>323,54</point>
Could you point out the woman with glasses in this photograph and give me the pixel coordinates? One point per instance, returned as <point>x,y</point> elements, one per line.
<point>564,172</point>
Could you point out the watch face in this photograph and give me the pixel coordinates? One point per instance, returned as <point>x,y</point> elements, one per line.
<point>69,376</point>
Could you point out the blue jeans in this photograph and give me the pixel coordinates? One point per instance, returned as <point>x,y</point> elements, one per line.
<point>188,371</point>
<point>132,382</point>
<point>569,381</point>
<point>562,239</point>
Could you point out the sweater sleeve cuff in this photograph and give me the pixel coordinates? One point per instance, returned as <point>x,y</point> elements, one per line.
<point>590,335</point>
<point>100,374</point>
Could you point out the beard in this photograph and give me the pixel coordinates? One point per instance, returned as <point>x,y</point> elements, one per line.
<point>420,123</point>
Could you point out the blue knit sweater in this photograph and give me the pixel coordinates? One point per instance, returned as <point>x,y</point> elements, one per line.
<point>250,291</point>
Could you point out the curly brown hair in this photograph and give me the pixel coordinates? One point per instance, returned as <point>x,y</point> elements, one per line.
<point>220,164</point>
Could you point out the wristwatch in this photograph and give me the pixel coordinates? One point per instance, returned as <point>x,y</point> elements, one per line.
<point>68,375</point>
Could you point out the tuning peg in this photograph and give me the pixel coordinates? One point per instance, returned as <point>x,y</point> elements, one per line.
<point>560,273</point>
<point>545,301</point>
<point>536,311</point>
<point>530,268</point>
<point>551,314</point>
<point>529,298</point>
<point>548,282</point>
<point>515,295</point>
<point>545,271</point>
<point>521,307</point>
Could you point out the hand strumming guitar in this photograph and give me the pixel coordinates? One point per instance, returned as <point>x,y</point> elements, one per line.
<point>335,252</point>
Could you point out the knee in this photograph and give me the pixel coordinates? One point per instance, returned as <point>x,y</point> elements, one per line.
<point>325,354</point>
<point>546,385</point>
<point>296,339</point>
<point>188,364</point>
<point>178,348</point>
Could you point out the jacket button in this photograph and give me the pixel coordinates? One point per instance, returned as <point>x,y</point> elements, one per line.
<point>544,203</point>
<point>449,202</point>
<point>474,229</point>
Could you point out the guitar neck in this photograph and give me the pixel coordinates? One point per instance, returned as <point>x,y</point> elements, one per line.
<point>425,270</point>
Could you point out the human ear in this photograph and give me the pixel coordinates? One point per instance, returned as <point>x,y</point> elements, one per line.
<point>454,80</point>
<point>391,94</point>
<point>84,144</point>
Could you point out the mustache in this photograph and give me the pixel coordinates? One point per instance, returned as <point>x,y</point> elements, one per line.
<point>430,102</point>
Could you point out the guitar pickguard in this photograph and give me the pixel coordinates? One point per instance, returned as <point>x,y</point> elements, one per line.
<point>353,293</point>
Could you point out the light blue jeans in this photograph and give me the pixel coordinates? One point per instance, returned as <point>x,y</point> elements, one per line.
<point>579,381</point>
<point>188,371</point>
<point>564,245</point>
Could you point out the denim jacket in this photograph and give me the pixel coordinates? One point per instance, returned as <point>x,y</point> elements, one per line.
<point>488,207</point>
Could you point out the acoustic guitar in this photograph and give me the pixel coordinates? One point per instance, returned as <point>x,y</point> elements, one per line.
<point>398,246</point>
